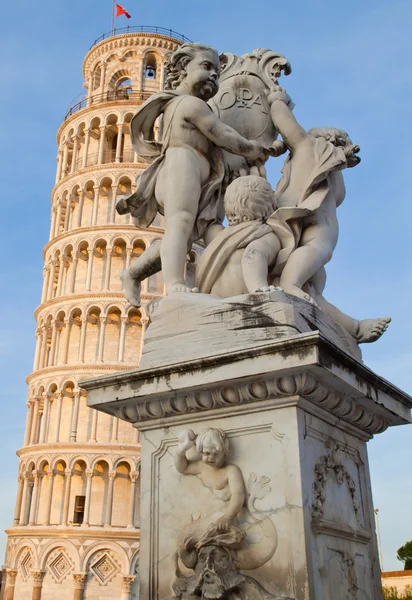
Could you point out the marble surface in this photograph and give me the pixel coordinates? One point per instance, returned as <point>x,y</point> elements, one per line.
<point>297,413</point>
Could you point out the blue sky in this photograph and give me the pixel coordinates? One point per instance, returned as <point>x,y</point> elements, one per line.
<point>352,68</point>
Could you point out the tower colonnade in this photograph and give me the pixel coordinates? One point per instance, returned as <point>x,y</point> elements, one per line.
<point>75,531</point>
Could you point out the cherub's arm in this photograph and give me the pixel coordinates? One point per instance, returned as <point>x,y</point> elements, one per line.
<point>256,260</point>
<point>183,465</point>
<point>200,115</point>
<point>284,120</point>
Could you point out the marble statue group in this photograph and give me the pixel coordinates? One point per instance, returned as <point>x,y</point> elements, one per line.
<point>209,164</point>
<point>221,119</point>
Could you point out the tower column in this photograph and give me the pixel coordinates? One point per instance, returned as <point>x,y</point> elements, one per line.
<point>75,417</point>
<point>68,480</point>
<point>86,148</point>
<point>52,222</point>
<point>75,140</point>
<point>43,347</point>
<point>61,275</point>
<point>89,475</point>
<point>89,270</point>
<point>35,422</point>
<point>80,211</point>
<point>59,165</point>
<point>119,142</point>
<point>38,577</point>
<point>100,350</point>
<point>109,505</point>
<point>65,158</point>
<point>75,260</point>
<point>59,399</point>
<point>113,205</point>
<point>100,155</point>
<point>134,475</point>
<point>50,474</point>
<point>120,354</point>
<point>34,498</point>
<point>58,218</point>
<point>82,344</point>
<point>51,279</point>
<point>109,252</point>
<point>10,584</point>
<point>37,353</point>
<point>29,421</point>
<point>79,584</point>
<point>24,500</point>
<point>19,498</point>
<point>46,272</point>
<point>67,214</point>
<point>44,421</point>
<point>93,433</point>
<point>66,339</point>
<point>126,583</point>
<point>96,200</point>
<point>52,352</point>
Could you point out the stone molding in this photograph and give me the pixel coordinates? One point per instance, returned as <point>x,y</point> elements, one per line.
<point>133,166</point>
<point>129,40</point>
<point>118,230</point>
<point>89,297</point>
<point>301,385</point>
<point>79,367</point>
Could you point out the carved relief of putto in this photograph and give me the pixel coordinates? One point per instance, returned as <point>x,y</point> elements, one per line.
<point>216,547</point>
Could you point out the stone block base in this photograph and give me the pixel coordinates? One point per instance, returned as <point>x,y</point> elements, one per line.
<point>296,415</point>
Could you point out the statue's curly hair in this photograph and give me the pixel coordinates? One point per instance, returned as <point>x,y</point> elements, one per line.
<point>250,196</point>
<point>338,137</point>
<point>177,61</point>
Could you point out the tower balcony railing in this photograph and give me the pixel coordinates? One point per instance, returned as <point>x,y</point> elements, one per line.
<point>121,95</point>
<point>109,157</point>
<point>142,29</point>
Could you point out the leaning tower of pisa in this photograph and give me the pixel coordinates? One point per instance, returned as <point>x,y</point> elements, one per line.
<point>76,524</point>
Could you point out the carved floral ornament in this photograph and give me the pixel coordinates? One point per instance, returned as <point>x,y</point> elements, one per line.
<point>331,463</point>
<point>127,582</point>
<point>304,385</point>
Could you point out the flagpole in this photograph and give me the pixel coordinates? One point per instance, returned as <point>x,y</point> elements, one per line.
<point>113,2</point>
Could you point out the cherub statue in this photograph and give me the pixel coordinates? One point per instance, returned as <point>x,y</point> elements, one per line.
<point>183,183</point>
<point>240,257</point>
<point>217,547</point>
<point>225,480</point>
<point>245,256</point>
<point>307,196</point>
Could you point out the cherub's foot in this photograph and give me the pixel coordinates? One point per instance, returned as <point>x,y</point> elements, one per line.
<point>370,330</point>
<point>132,289</point>
<point>295,291</point>
<point>181,287</point>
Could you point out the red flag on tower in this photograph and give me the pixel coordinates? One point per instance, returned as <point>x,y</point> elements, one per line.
<point>121,11</point>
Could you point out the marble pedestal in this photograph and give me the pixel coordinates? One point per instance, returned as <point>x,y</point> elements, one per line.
<point>298,411</point>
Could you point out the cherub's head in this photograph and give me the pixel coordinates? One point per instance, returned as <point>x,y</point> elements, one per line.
<point>194,68</point>
<point>213,445</point>
<point>339,138</point>
<point>249,198</point>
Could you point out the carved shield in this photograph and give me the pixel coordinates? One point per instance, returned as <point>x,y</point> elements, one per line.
<point>241,101</point>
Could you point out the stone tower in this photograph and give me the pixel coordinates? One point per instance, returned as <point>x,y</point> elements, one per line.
<point>76,523</point>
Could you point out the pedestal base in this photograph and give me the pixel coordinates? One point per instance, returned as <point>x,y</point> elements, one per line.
<point>297,414</point>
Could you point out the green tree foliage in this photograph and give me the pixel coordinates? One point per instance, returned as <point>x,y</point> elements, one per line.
<point>405,555</point>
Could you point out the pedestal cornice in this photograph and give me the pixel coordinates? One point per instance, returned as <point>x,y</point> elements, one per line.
<point>303,369</point>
